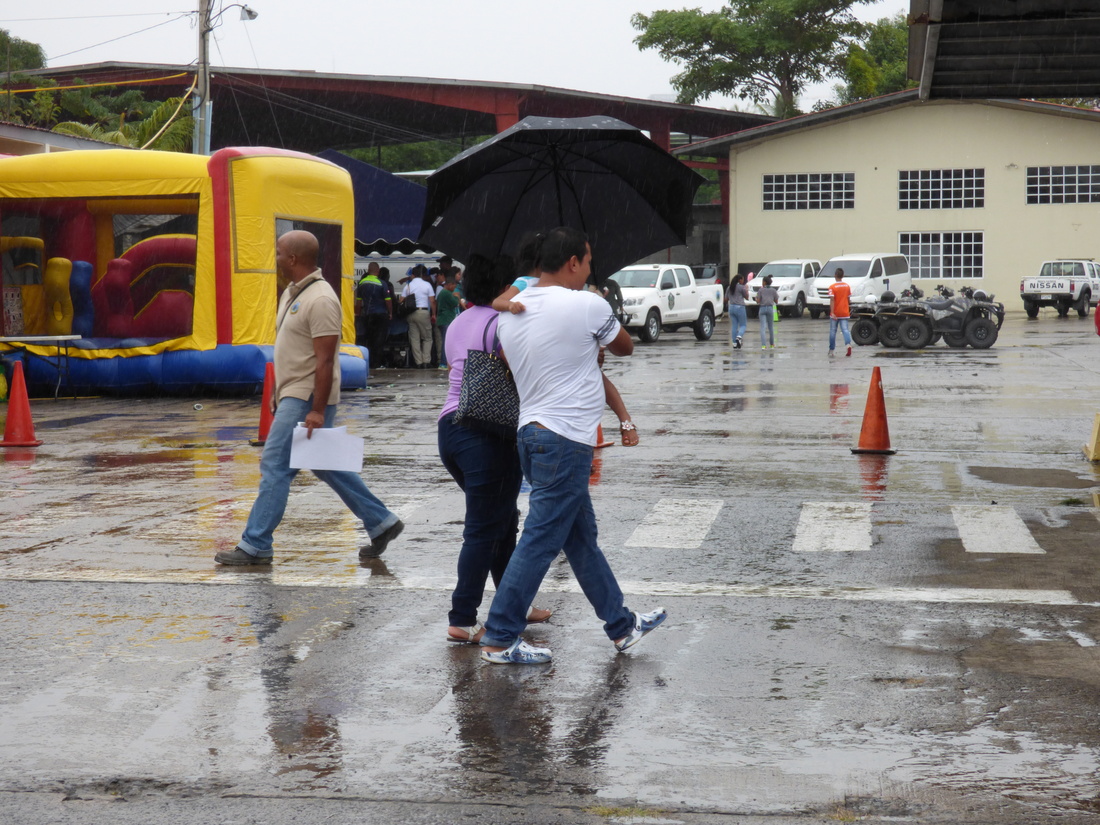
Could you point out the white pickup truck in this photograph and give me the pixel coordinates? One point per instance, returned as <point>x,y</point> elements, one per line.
<point>1064,285</point>
<point>660,297</point>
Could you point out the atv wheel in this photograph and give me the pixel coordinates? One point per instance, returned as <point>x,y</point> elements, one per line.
<point>889,333</point>
<point>914,333</point>
<point>953,340</point>
<point>864,332</point>
<point>981,333</point>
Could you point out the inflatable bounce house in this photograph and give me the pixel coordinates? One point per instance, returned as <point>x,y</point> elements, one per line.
<point>164,265</point>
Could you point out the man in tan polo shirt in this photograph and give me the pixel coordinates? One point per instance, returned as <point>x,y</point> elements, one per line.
<point>307,389</point>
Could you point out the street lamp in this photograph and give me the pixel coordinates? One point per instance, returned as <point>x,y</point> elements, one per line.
<point>203,107</point>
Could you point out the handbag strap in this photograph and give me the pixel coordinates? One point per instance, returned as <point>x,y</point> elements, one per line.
<point>485,336</point>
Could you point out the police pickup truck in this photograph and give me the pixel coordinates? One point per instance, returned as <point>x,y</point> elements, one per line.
<point>1064,285</point>
<point>660,297</point>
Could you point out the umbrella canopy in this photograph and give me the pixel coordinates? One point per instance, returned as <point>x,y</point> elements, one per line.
<point>596,174</point>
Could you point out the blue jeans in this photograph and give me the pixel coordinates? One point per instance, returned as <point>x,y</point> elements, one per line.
<point>487,470</point>
<point>739,319</point>
<point>276,475</point>
<point>767,326</point>
<point>560,518</point>
<point>843,323</point>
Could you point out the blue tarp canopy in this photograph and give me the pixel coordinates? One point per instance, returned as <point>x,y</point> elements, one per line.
<point>388,209</point>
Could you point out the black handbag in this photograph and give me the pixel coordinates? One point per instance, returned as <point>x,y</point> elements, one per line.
<point>488,399</point>
<point>407,306</point>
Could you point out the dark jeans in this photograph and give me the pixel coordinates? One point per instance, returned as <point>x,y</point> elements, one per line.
<point>487,470</point>
<point>560,518</point>
<point>376,329</point>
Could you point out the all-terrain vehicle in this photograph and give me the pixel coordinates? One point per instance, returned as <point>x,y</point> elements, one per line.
<point>878,322</point>
<point>971,317</point>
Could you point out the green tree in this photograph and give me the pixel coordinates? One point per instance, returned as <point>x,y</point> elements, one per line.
<point>105,106</point>
<point>752,49</point>
<point>167,127</point>
<point>877,65</point>
<point>17,54</point>
<point>413,157</point>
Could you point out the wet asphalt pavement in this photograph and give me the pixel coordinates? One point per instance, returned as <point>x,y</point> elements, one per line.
<point>900,638</point>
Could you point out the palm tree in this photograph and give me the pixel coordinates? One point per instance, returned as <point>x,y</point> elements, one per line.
<point>165,128</point>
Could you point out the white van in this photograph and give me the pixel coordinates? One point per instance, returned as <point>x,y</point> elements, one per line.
<point>867,273</point>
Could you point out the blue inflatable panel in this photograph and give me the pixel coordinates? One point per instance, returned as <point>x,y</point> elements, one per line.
<point>224,370</point>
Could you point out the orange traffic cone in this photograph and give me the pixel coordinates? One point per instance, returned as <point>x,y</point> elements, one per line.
<point>19,429</point>
<point>874,437</point>
<point>596,471</point>
<point>265,406</point>
<point>599,438</point>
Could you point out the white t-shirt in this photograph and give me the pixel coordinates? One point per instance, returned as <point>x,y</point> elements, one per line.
<point>422,290</point>
<point>552,349</point>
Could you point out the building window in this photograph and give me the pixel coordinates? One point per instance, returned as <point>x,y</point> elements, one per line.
<point>941,189</point>
<point>1063,184</point>
<point>944,254</point>
<point>814,190</point>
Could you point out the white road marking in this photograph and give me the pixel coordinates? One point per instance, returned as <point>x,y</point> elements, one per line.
<point>676,524</point>
<point>833,527</point>
<point>358,577</point>
<point>993,529</point>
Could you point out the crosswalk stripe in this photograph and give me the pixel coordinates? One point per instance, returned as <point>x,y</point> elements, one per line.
<point>993,529</point>
<point>838,527</point>
<point>363,578</point>
<point>676,524</point>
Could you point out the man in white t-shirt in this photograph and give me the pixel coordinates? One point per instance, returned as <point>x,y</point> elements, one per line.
<point>552,349</point>
<point>421,319</point>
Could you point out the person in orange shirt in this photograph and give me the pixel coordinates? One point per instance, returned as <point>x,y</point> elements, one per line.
<point>839,293</point>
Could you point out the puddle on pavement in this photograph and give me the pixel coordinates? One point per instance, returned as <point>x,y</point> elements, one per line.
<point>1032,477</point>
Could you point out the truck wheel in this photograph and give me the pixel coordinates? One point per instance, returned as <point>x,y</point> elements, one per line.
<point>914,333</point>
<point>1083,305</point>
<point>704,327</point>
<point>1031,308</point>
<point>1063,309</point>
<point>815,312</point>
<point>799,306</point>
<point>864,332</point>
<point>651,330</point>
<point>752,312</point>
<point>954,340</point>
<point>981,333</point>
<point>889,333</point>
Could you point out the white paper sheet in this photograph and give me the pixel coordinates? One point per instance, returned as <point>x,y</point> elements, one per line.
<point>330,448</point>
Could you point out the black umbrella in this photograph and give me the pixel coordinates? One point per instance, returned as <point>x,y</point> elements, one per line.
<point>596,174</point>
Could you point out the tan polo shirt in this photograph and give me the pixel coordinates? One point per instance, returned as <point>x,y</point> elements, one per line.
<point>305,314</point>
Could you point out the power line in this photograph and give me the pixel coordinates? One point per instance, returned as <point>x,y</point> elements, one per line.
<point>121,37</point>
<point>91,17</point>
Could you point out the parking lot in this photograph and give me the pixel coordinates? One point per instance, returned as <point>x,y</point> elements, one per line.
<point>908,637</point>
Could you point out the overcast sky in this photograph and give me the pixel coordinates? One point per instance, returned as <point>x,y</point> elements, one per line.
<point>585,45</point>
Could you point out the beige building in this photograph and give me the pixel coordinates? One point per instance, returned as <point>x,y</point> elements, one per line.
<point>973,192</point>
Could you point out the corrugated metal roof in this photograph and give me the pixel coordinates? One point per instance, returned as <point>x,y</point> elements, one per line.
<point>863,108</point>
<point>1005,48</point>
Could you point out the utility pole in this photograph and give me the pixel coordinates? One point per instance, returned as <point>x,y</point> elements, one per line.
<point>200,143</point>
